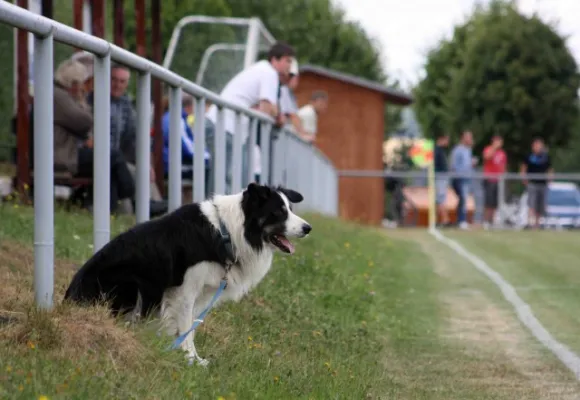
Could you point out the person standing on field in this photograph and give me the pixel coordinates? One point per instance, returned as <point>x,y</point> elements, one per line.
<point>494,165</point>
<point>537,162</point>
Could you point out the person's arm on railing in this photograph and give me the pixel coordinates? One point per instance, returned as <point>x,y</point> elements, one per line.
<point>269,94</point>
<point>268,108</point>
<point>297,123</point>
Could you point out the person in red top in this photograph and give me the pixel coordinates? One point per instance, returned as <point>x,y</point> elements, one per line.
<point>494,164</point>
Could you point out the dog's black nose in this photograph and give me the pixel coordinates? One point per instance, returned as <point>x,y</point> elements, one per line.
<point>306,229</point>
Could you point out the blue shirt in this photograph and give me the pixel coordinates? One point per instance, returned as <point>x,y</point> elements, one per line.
<point>461,160</point>
<point>187,147</point>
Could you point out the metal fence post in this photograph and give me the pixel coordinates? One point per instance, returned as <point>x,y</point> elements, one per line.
<point>219,162</point>
<point>175,127</point>
<point>237,169</point>
<point>501,199</point>
<point>199,183</point>
<point>265,130</point>
<point>143,146</point>
<point>252,44</point>
<point>102,152</point>
<point>43,173</point>
<point>251,151</point>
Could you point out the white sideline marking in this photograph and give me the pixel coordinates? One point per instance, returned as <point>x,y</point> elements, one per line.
<point>523,310</point>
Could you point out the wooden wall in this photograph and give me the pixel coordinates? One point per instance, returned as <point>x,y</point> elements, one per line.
<point>350,133</point>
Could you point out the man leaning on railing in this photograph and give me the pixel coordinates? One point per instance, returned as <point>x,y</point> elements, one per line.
<point>254,87</point>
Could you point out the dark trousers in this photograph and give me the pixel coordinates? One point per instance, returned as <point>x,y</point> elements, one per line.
<point>122,183</point>
<point>460,186</point>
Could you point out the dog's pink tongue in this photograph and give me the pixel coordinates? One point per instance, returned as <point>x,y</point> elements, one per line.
<point>288,244</point>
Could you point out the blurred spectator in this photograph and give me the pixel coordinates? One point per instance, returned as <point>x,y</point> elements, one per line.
<point>288,106</point>
<point>87,59</point>
<point>537,162</point>
<point>72,124</point>
<point>187,147</point>
<point>441,178</point>
<point>308,114</point>
<point>72,120</point>
<point>462,163</point>
<point>123,133</point>
<point>255,87</point>
<point>494,164</point>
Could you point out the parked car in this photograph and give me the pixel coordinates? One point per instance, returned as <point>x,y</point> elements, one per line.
<point>562,206</point>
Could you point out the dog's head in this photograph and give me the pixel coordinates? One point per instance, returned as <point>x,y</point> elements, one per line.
<point>269,219</point>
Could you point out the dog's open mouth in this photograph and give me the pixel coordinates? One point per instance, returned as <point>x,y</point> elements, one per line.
<point>282,242</point>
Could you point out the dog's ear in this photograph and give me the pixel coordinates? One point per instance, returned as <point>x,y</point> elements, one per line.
<point>292,195</point>
<point>258,191</point>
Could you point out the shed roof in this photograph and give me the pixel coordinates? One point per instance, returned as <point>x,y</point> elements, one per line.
<point>390,95</point>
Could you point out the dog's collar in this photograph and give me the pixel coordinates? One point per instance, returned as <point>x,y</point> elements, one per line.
<point>227,244</point>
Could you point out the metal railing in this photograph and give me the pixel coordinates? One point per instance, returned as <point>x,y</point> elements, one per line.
<point>295,163</point>
<point>562,194</point>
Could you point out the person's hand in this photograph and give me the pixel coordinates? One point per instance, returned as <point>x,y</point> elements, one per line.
<point>281,120</point>
<point>151,174</point>
<point>89,142</point>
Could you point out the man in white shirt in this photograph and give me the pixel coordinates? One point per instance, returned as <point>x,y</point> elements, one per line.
<point>255,87</point>
<point>309,113</point>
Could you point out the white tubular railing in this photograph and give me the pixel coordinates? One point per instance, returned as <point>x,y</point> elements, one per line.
<point>291,162</point>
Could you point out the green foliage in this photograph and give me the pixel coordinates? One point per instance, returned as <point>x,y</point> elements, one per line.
<point>504,73</point>
<point>316,28</point>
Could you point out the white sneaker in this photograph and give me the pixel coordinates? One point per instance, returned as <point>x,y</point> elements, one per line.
<point>464,225</point>
<point>486,226</point>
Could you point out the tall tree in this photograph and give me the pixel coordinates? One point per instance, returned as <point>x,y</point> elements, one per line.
<point>502,73</point>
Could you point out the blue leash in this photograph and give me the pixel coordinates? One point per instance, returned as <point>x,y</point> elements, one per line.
<point>199,319</point>
<point>229,251</point>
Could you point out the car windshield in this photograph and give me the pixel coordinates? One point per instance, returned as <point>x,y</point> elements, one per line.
<point>559,197</point>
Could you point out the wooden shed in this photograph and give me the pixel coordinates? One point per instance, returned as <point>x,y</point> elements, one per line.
<point>351,134</point>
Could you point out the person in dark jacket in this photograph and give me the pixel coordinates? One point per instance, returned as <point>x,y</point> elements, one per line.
<point>124,133</point>
<point>73,122</point>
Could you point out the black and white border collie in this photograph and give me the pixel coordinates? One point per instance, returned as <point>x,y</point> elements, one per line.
<point>175,263</point>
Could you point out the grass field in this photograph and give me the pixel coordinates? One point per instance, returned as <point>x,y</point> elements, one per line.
<point>354,314</point>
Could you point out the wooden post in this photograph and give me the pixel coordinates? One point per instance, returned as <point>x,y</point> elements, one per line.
<point>78,15</point>
<point>23,111</point>
<point>119,23</point>
<point>140,33</point>
<point>99,18</point>
<point>47,8</point>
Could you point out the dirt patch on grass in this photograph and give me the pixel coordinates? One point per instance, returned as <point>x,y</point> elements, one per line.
<point>67,331</point>
<point>510,359</point>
